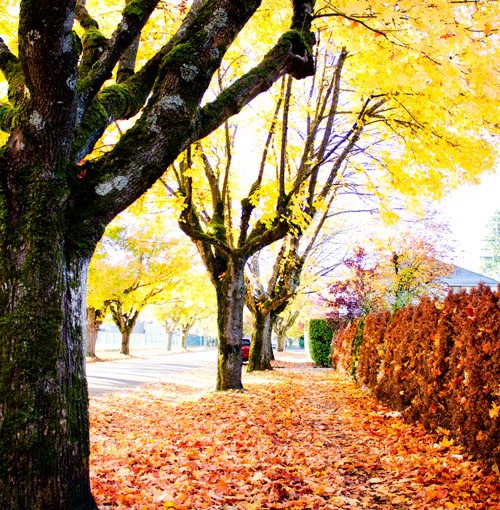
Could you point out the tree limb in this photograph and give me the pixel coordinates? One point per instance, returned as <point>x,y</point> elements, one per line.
<point>10,67</point>
<point>8,116</point>
<point>135,15</point>
<point>290,55</point>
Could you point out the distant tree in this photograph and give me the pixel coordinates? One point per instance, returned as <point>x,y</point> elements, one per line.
<point>191,301</point>
<point>412,264</point>
<point>398,272</point>
<point>133,267</point>
<point>358,294</point>
<point>491,257</point>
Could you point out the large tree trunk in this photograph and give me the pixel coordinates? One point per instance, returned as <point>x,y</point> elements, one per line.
<point>261,349</point>
<point>94,321</point>
<point>230,290</point>
<point>44,438</point>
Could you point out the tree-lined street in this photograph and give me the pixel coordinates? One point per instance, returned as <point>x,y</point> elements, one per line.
<point>102,101</point>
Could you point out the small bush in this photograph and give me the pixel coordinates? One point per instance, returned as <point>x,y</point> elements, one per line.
<point>342,343</point>
<point>372,353</point>
<point>320,341</point>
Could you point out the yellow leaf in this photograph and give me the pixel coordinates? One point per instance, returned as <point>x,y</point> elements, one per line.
<point>488,27</point>
<point>445,443</point>
<point>494,411</point>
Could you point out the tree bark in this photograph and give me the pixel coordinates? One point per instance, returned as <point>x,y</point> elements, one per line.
<point>44,436</point>
<point>184,340</point>
<point>125,349</point>
<point>260,356</point>
<point>94,321</point>
<point>280,346</point>
<point>170,334</point>
<point>230,290</point>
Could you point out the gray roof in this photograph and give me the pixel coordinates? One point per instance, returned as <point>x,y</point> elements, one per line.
<point>464,278</point>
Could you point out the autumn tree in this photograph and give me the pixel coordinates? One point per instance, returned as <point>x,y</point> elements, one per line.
<point>331,138</point>
<point>411,267</point>
<point>398,271</point>
<point>357,295</point>
<point>190,302</point>
<point>96,301</point>
<point>137,263</point>
<point>63,92</point>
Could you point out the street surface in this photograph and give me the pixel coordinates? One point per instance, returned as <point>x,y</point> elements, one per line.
<point>104,377</point>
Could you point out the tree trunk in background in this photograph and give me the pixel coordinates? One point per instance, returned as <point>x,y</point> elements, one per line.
<point>170,334</point>
<point>281,343</point>
<point>261,349</point>
<point>125,349</point>
<point>125,322</point>
<point>44,437</point>
<point>94,321</point>
<point>184,339</point>
<point>230,290</point>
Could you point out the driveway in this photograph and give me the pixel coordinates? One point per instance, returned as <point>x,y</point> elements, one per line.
<point>118,375</point>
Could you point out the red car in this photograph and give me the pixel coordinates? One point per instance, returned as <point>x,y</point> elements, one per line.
<point>245,348</point>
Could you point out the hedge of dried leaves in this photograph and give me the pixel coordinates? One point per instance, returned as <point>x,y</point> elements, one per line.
<point>297,438</point>
<point>439,363</point>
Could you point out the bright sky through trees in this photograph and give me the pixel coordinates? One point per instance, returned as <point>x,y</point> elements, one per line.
<point>469,209</point>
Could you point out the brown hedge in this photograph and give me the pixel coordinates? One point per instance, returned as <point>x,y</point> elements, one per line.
<point>438,363</point>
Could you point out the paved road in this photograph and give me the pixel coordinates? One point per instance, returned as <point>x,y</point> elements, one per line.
<point>118,375</point>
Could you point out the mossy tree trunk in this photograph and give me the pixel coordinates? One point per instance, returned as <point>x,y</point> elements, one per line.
<point>55,202</point>
<point>44,442</point>
<point>230,291</point>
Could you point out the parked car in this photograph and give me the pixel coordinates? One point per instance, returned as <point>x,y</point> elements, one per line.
<point>245,348</point>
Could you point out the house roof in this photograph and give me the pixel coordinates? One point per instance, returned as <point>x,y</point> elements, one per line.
<point>464,278</point>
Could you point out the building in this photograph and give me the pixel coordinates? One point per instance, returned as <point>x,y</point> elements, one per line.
<point>463,279</point>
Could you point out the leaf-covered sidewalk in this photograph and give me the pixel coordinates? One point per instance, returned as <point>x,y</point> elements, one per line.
<point>298,438</point>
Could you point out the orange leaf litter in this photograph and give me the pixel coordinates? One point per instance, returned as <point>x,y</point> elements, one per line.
<point>298,438</point>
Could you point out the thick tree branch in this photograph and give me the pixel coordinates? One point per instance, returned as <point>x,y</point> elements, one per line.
<point>48,57</point>
<point>125,100</point>
<point>135,15</point>
<point>93,41</point>
<point>8,116</point>
<point>290,55</point>
<point>9,65</point>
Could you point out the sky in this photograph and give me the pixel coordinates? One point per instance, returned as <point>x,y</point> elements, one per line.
<point>469,208</point>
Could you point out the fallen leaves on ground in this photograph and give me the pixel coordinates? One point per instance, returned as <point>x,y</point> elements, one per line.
<point>297,438</point>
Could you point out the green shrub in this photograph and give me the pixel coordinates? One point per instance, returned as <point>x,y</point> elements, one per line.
<point>320,341</point>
